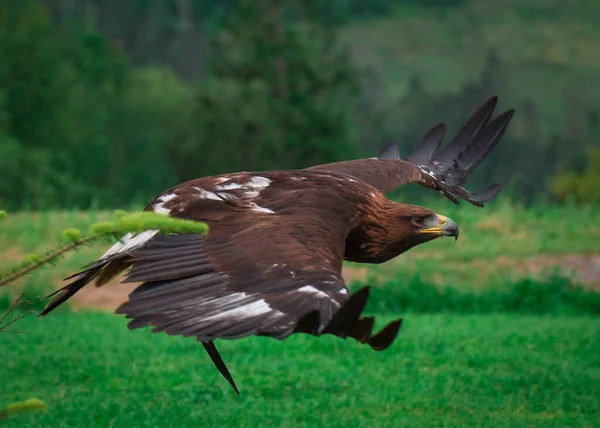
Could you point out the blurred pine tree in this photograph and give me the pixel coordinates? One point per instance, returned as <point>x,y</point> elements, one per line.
<point>280,93</point>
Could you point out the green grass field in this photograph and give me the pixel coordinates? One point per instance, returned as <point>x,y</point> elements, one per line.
<point>443,371</point>
<point>498,245</point>
<point>479,358</point>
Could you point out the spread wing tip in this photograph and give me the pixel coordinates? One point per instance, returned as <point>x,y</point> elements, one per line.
<point>386,336</point>
<point>447,169</point>
<point>389,151</point>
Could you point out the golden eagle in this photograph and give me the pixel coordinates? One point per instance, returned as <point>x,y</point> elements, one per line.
<point>271,262</point>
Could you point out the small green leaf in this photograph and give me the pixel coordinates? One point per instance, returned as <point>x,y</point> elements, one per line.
<point>34,258</point>
<point>137,222</point>
<point>21,406</point>
<point>120,213</point>
<point>102,228</point>
<point>71,235</point>
<point>3,215</point>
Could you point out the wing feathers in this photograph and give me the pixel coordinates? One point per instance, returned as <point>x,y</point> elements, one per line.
<point>476,121</point>
<point>473,154</point>
<point>386,336</point>
<point>214,355</point>
<point>429,145</point>
<point>389,151</point>
<point>449,169</point>
<point>159,271</point>
<point>363,329</point>
<point>346,318</point>
<point>488,194</point>
<point>268,274</point>
<point>444,169</point>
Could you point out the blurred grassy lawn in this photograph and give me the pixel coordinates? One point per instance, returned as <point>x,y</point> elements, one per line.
<point>500,230</point>
<point>495,240</point>
<point>443,371</point>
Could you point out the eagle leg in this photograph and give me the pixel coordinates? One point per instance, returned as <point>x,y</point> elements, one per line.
<point>214,355</point>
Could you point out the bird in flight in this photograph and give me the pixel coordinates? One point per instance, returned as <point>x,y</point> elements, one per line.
<point>271,262</point>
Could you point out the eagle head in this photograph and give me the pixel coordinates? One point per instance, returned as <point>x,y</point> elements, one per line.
<point>433,226</point>
<point>417,225</point>
<point>395,230</point>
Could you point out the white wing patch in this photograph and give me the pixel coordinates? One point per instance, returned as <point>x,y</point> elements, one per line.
<point>258,182</point>
<point>129,242</point>
<point>205,194</point>
<point>249,310</point>
<point>231,188</point>
<point>256,208</point>
<point>227,188</point>
<point>429,172</point>
<point>213,309</point>
<point>309,289</point>
<point>159,207</point>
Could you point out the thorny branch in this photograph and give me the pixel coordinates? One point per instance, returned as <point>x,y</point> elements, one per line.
<point>44,260</point>
<point>5,322</point>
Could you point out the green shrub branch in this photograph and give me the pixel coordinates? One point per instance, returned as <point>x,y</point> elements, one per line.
<point>123,224</point>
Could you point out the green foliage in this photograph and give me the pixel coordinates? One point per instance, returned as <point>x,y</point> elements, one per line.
<point>580,187</point>
<point>23,406</point>
<point>125,223</point>
<point>333,10</point>
<point>554,295</point>
<point>458,56</point>
<point>443,370</point>
<point>85,122</point>
<point>81,127</point>
<point>78,125</point>
<point>71,235</point>
<point>33,88</point>
<point>279,94</point>
<point>140,221</point>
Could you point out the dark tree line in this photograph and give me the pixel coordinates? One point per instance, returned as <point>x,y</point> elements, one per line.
<point>80,126</point>
<point>168,31</point>
<point>105,103</point>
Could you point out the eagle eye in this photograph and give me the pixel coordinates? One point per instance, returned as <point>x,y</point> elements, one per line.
<point>418,221</point>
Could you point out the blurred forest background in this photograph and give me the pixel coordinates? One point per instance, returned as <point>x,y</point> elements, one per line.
<point>106,103</point>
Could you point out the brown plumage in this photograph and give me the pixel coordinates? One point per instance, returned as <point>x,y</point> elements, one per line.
<point>272,260</point>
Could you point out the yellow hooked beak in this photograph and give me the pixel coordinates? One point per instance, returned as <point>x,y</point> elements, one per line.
<point>441,226</point>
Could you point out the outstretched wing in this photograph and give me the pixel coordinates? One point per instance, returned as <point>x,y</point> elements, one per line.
<point>261,280</point>
<point>443,169</point>
<point>266,267</point>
